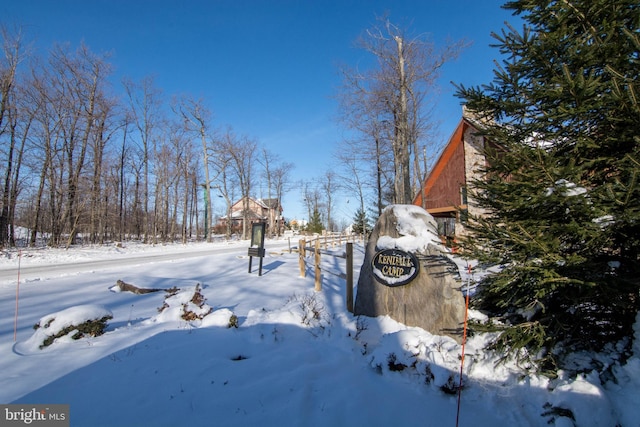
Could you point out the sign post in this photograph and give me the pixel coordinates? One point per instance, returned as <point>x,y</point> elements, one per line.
<point>257,244</point>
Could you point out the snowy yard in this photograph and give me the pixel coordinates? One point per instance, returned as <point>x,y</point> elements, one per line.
<point>297,357</point>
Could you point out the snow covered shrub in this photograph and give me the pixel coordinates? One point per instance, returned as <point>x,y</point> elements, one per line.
<point>75,322</point>
<point>555,412</point>
<point>188,304</point>
<point>394,365</point>
<point>233,321</point>
<point>195,308</point>
<point>312,309</point>
<point>170,292</point>
<point>361,326</point>
<point>452,386</point>
<point>428,375</point>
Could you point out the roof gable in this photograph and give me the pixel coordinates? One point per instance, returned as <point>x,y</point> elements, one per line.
<point>455,141</point>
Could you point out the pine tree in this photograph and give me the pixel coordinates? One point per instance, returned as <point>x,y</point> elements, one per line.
<point>561,191</point>
<point>315,223</point>
<point>361,223</point>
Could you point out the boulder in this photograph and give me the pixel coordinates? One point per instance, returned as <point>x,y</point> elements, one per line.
<point>430,298</point>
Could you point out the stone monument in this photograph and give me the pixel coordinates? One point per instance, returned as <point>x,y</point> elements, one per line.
<point>407,276</point>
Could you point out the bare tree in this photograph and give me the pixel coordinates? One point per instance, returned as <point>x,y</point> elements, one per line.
<point>266,160</point>
<point>276,175</point>
<point>21,118</point>
<point>188,168</point>
<point>99,210</point>
<point>308,198</point>
<point>225,183</point>
<point>76,161</point>
<point>241,154</point>
<point>144,103</point>
<point>120,181</point>
<point>75,89</point>
<point>280,180</point>
<point>369,152</point>
<point>37,93</point>
<point>352,172</point>
<point>12,55</point>
<point>197,119</point>
<point>388,103</point>
<point>329,184</point>
<point>313,200</point>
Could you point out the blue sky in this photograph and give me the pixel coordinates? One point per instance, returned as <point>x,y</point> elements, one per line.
<point>269,69</point>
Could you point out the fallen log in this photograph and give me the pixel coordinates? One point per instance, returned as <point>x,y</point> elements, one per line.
<point>126,287</point>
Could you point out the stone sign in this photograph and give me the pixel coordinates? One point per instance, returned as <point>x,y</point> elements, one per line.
<point>407,275</point>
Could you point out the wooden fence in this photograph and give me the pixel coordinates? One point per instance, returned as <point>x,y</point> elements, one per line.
<point>319,246</point>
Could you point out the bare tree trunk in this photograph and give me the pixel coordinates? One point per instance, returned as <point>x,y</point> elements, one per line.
<point>267,158</point>
<point>98,219</point>
<point>225,191</point>
<point>44,117</point>
<point>144,102</point>
<point>207,183</point>
<point>12,55</point>
<point>194,206</point>
<point>330,187</point>
<point>401,144</point>
<point>56,216</point>
<point>121,186</point>
<point>16,178</point>
<point>281,178</point>
<point>6,200</point>
<point>197,120</point>
<point>379,177</point>
<point>138,215</point>
<point>242,153</point>
<point>185,202</point>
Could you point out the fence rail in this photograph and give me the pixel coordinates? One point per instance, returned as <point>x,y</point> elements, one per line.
<point>315,246</point>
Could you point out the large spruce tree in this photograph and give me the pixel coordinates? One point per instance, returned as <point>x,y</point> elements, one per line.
<point>561,190</point>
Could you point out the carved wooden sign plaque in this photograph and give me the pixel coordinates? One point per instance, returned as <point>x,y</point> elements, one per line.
<point>394,267</point>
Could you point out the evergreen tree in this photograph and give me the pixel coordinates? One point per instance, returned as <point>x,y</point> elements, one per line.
<point>361,223</point>
<point>315,223</point>
<point>561,191</point>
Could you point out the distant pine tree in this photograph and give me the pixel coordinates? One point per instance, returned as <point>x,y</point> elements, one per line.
<point>561,189</point>
<point>315,223</point>
<point>361,223</point>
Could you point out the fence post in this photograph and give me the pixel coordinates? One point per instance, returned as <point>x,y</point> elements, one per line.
<point>301,255</point>
<point>318,282</point>
<point>350,277</point>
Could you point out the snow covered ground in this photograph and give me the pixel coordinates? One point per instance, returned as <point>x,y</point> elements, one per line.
<point>297,357</point>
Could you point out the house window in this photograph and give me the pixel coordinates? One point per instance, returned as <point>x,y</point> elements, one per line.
<point>463,195</point>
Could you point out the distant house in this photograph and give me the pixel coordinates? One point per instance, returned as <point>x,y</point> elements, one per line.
<point>445,192</point>
<point>259,210</point>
